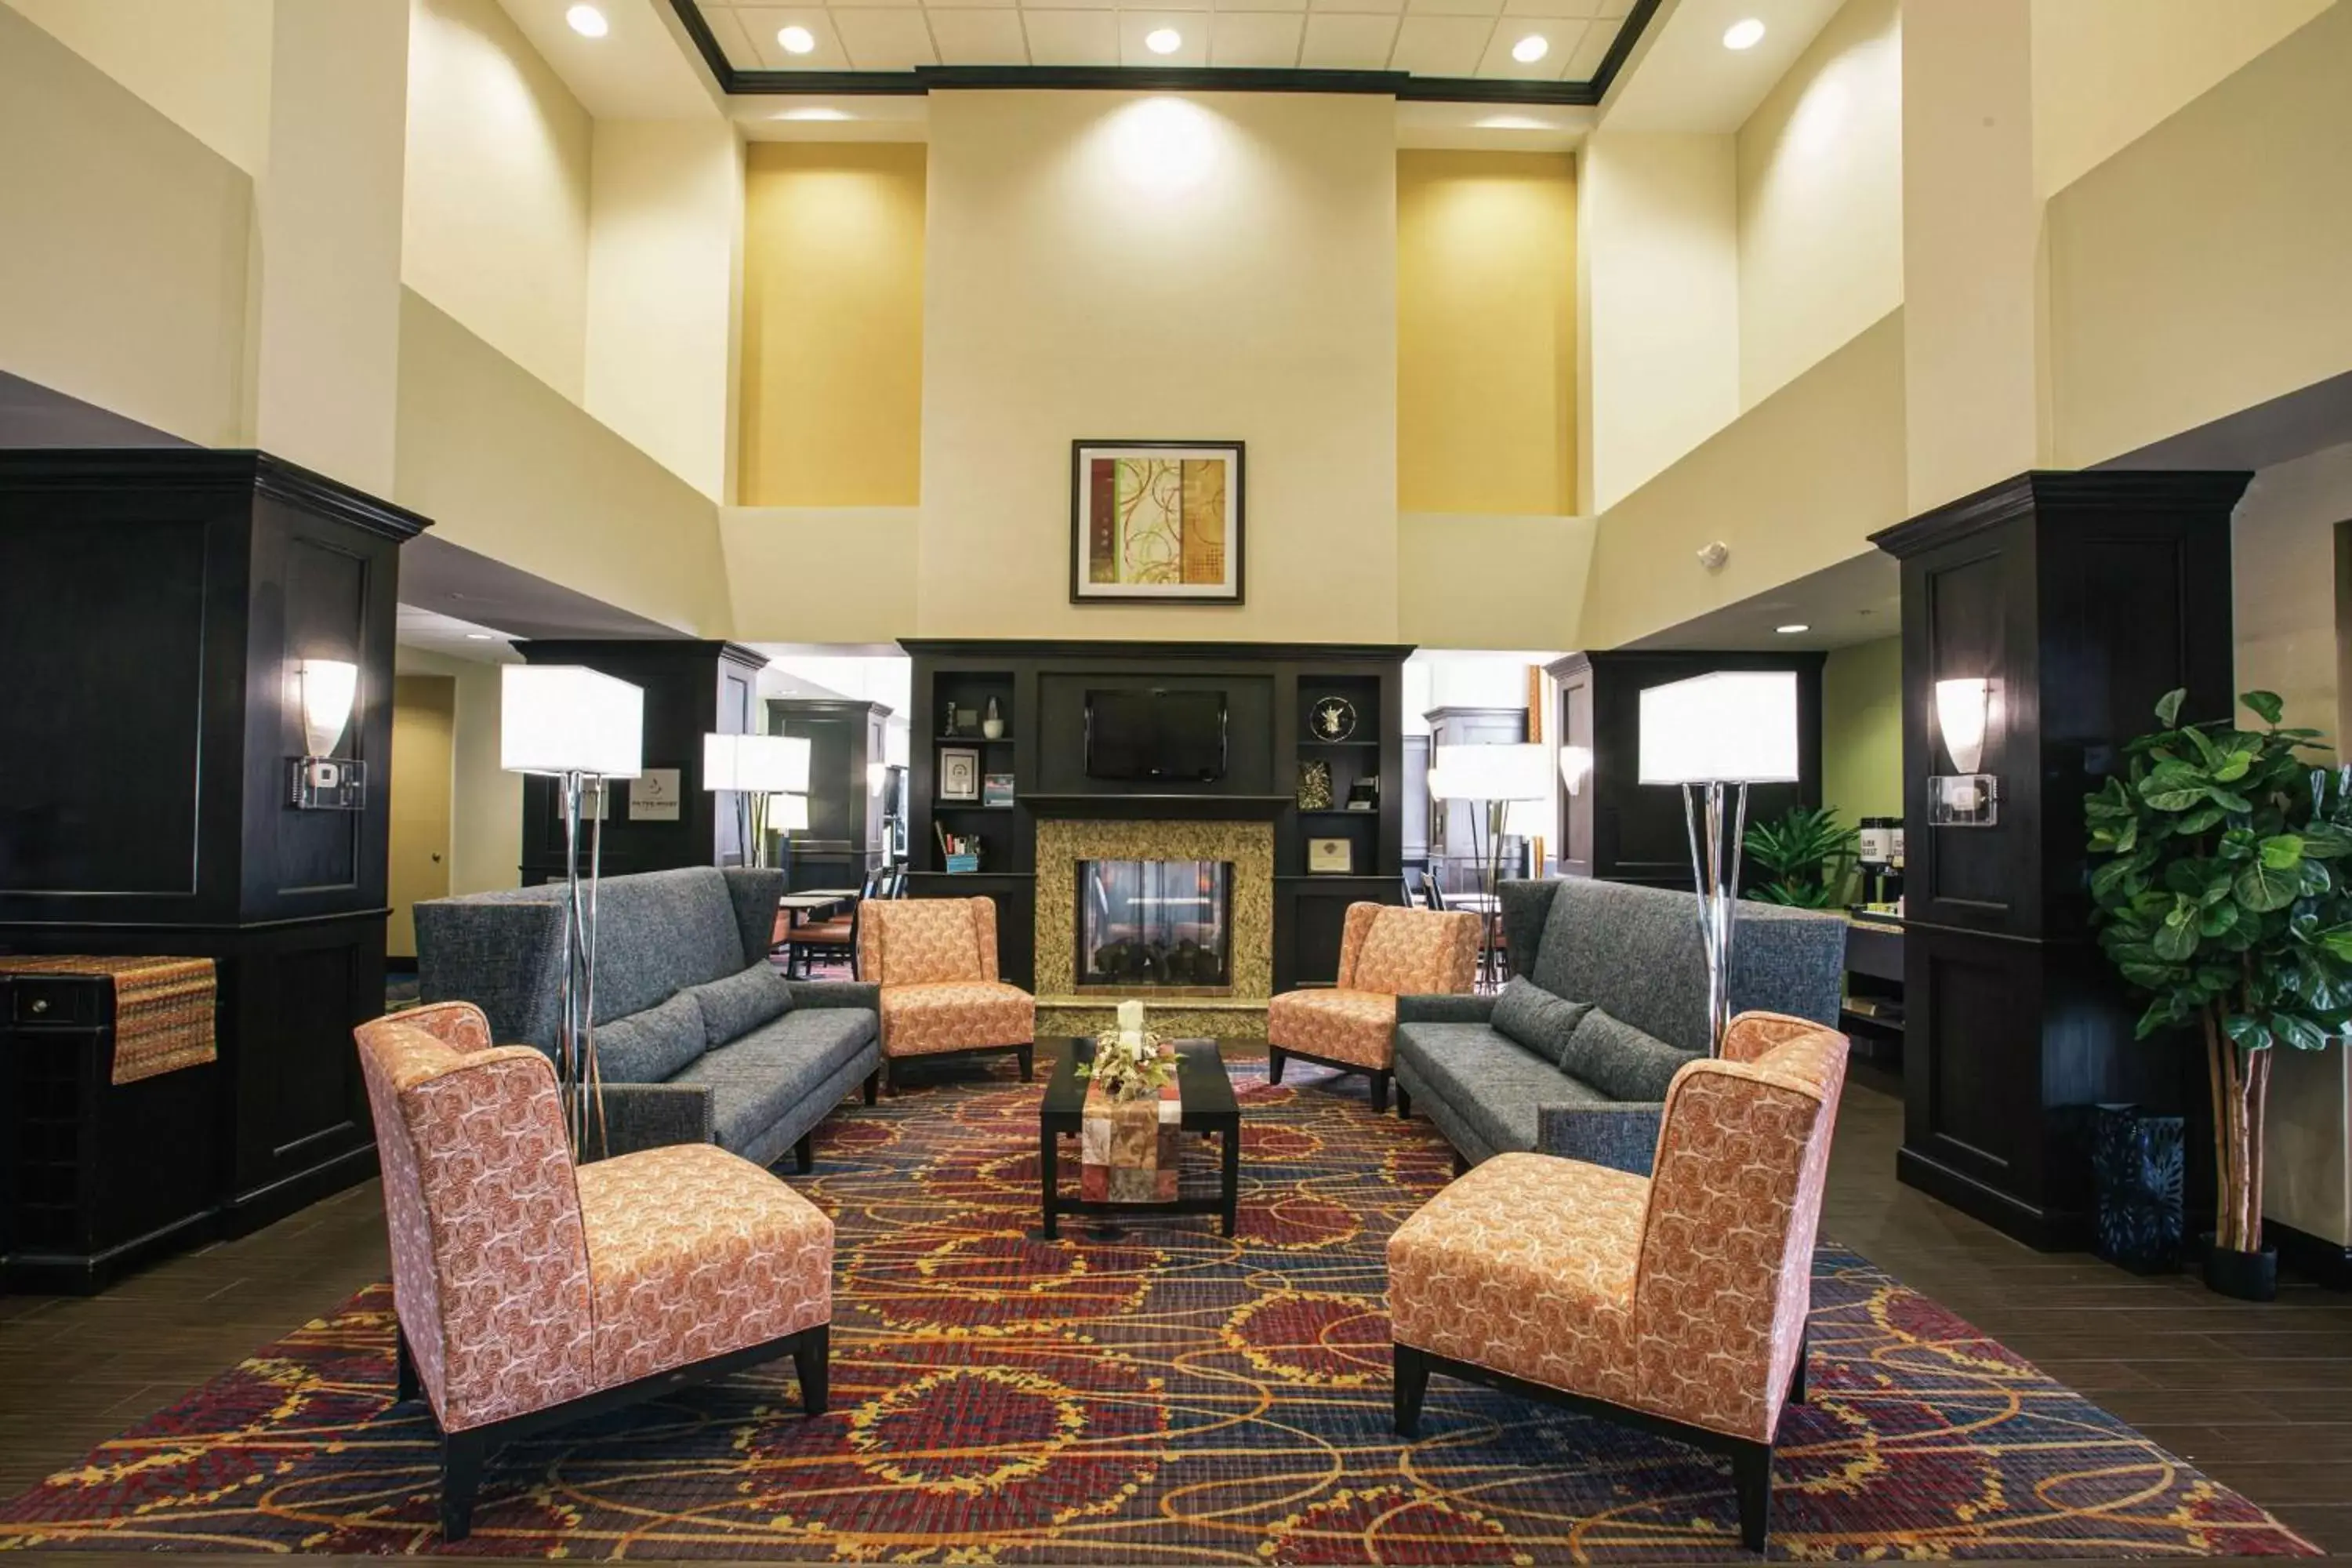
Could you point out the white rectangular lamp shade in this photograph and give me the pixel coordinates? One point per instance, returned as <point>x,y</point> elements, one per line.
<point>1733,726</point>
<point>756,765</point>
<point>1510,770</point>
<point>787,814</point>
<point>567,718</point>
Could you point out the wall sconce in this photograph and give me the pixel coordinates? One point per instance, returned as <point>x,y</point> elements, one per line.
<point>1965,797</point>
<point>1575,767</point>
<point>323,692</point>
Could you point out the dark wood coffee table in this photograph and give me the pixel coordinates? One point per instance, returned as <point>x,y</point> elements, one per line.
<point>1209,1108</point>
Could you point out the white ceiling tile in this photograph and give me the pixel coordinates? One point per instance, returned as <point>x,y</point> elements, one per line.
<point>764,23</point>
<point>733,41</point>
<point>1259,8</point>
<point>1453,7</point>
<point>872,5</point>
<point>1612,7</point>
<point>878,40</point>
<point>980,38</point>
<point>1562,35</point>
<point>1577,10</point>
<point>1583,65</point>
<point>1338,41</point>
<point>1072,37</point>
<point>1191,29</point>
<point>1256,38</point>
<point>1441,45</point>
<point>984,5</point>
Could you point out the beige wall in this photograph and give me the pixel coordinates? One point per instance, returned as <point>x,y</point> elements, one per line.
<point>2105,71</point>
<point>1114,265</point>
<point>495,230</point>
<point>485,801</point>
<point>1796,484</point>
<point>123,272</point>
<point>1821,199</point>
<point>833,324</point>
<point>1658,337</point>
<point>664,291</point>
<point>1862,730</point>
<point>202,63</point>
<point>862,591</point>
<point>1487,333</point>
<point>2202,269</point>
<point>1492,582</point>
<point>505,465</point>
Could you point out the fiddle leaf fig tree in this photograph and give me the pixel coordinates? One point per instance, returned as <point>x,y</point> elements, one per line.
<point>2222,875</point>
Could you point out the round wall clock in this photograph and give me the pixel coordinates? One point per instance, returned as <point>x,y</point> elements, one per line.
<point>1334,719</point>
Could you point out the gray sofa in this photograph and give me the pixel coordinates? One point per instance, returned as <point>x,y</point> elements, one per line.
<point>699,1038</point>
<point>1583,1087</point>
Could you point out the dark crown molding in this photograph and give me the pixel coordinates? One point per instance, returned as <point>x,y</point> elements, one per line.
<point>1402,85</point>
<point>222,468</point>
<point>2081,491</point>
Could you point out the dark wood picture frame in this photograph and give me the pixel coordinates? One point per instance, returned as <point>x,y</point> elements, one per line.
<point>1237,493</point>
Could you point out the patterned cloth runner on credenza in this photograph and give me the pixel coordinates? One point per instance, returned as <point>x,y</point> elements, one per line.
<point>162,1008</point>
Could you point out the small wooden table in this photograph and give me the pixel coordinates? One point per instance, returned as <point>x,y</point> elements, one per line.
<point>1207,1092</point>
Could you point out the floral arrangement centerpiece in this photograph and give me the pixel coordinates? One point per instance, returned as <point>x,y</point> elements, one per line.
<point>1128,1131</point>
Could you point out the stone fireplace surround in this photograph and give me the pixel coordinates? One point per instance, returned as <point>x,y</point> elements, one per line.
<point>1063,842</point>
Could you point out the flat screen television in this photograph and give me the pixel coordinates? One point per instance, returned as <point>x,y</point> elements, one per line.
<point>1163,736</point>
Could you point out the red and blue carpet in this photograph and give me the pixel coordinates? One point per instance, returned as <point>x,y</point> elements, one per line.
<point>1164,1396</point>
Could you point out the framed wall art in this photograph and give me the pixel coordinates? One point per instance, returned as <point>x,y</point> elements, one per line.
<point>958,773</point>
<point>1156,522</point>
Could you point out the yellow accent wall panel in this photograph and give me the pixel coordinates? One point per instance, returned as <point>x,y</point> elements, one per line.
<point>833,324</point>
<point>1487,333</point>
<point>1862,730</point>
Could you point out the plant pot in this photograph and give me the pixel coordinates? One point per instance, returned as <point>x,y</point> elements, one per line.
<point>992,728</point>
<point>2136,1161</point>
<point>2248,1275</point>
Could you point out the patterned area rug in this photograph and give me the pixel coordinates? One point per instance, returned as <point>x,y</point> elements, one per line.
<point>1157,1396</point>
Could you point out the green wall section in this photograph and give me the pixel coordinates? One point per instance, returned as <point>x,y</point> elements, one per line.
<point>1862,730</point>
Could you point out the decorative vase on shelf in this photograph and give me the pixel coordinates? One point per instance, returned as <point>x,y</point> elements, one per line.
<point>992,725</point>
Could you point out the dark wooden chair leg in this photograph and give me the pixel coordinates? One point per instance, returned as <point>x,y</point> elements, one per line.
<point>1404,1103</point>
<point>461,1478</point>
<point>1412,1383</point>
<point>1275,1058</point>
<point>804,1153</point>
<point>1796,1378</point>
<point>1461,1164</point>
<point>1028,1055</point>
<point>1751,1477</point>
<point>873,1084</point>
<point>890,1077</point>
<point>1380,1091</point>
<point>406,1385</point>
<point>813,1361</point>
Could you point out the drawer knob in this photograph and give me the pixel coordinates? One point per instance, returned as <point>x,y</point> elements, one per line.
<point>40,1006</point>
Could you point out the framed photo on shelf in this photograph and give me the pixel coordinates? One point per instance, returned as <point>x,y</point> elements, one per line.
<point>996,789</point>
<point>959,772</point>
<point>1330,856</point>
<point>1156,522</point>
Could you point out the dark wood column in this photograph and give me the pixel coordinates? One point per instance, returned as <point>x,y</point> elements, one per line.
<point>692,688</point>
<point>152,605</point>
<point>2084,598</point>
<point>843,840</point>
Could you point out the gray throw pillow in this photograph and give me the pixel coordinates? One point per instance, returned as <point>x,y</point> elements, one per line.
<point>1620,1061</point>
<point>1530,1015</point>
<point>650,1046</point>
<point>733,1007</point>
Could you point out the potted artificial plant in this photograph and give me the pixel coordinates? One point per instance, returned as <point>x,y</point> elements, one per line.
<point>2224,894</point>
<point>1806,854</point>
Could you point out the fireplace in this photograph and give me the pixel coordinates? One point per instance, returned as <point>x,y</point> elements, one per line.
<point>1143,927</point>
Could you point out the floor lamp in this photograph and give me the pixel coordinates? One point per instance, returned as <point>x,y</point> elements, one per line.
<point>1492,776</point>
<point>756,769</point>
<point>584,729</point>
<point>1714,735</point>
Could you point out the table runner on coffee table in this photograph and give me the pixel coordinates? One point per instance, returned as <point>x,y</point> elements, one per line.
<point>1128,1149</point>
<point>162,1008</point>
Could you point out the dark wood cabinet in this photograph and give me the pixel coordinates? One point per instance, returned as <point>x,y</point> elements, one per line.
<point>847,800</point>
<point>692,688</point>
<point>154,605</point>
<point>1622,830</point>
<point>2083,598</point>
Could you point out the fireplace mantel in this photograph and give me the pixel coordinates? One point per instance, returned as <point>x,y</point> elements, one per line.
<point>1109,807</point>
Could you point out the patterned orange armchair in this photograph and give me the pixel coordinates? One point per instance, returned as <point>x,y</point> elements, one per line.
<point>1385,952</point>
<point>1676,1301</point>
<point>530,1293</point>
<point>935,960</point>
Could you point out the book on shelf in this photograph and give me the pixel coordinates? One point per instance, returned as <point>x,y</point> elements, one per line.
<point>958,852</point>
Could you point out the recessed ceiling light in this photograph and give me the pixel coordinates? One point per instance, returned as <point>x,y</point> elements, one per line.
<point>796,40</point>
<point>1514,123</point>
<point>1531,48</point>
<point>811,115</point>
<point>1793,628</point>
<point>1163,41</point>
<point>479,637</point>
<point>587,21</point>
<point>1744,34</point>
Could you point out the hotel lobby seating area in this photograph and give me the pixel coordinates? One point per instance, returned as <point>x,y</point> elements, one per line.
<point>1070,784</point>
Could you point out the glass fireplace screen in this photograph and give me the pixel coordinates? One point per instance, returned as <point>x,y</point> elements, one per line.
<point>1155,923</point>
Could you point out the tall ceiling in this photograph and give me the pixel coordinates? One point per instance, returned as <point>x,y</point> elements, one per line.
<point>1434,41</point>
